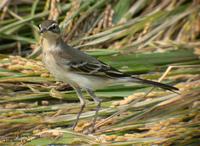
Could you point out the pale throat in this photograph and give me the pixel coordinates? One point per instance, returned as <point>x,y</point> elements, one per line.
<point>50,43</point>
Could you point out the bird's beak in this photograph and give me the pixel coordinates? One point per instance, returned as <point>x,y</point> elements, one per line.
<point>42,30</point>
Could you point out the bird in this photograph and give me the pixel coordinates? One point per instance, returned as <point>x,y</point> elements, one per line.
<point>82,71</point>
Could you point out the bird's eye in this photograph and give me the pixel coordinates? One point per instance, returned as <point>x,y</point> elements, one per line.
<point>53,26</point>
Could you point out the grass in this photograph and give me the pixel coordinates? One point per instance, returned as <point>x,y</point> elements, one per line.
<point>143,38</point>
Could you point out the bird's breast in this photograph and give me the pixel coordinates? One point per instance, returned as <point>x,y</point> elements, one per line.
<point>52,65</point>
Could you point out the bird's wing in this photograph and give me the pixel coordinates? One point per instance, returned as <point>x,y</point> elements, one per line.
<point>80,62</point>
<point>95,68</point>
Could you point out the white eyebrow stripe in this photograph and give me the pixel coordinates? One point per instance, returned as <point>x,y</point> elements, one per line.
<point>53,24</point>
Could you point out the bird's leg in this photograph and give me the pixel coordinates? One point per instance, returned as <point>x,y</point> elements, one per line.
<point>82,103</point>
<point>98,106</point>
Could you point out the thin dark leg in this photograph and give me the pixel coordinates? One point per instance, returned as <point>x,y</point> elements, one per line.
<point>82,103</point>
<point>98,103</point>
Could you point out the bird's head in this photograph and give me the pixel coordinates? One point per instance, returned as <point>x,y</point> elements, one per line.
<point>49,29</point>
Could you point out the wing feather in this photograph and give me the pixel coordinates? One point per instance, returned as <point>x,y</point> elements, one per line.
<point>82,63</point>
<point>97,69</point>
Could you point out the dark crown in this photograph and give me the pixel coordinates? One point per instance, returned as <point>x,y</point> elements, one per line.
<point>49,25</point>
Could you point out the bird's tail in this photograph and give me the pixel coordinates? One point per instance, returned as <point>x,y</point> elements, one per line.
<point>153,83</point>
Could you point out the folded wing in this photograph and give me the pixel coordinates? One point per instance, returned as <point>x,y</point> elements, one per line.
<point>96,68</point>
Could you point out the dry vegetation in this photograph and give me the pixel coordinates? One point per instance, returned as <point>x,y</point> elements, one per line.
<point>142,37</point>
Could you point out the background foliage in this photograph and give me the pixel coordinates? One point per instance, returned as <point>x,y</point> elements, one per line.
<point>142,37</point>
